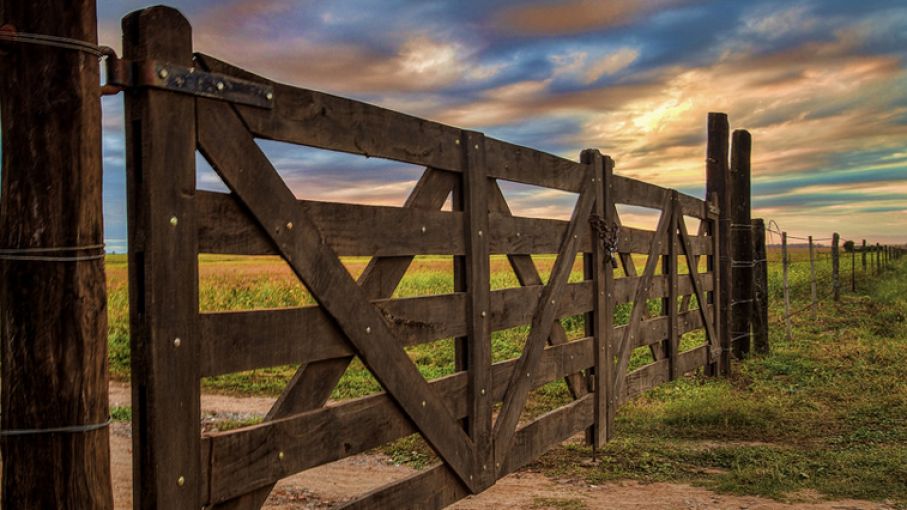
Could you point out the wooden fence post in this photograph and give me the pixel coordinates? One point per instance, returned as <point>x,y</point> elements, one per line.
<point>718,182</point>
<point>53,298</point>
<point>784,264</point>
<point>853,267</point>
<point>814,294</point>
<point>836,266</point>
<point>878,250</point>
<point>741,244</point>
<point>163,260</point>
<point>759,317</point>
<point>863,254</point>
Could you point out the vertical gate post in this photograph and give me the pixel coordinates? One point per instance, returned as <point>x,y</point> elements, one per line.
<point>477,275</point>
<point>785,262</point>
<point>671,270</point>
<point>760,289</point>
<point>600,322</point>
<point>741,244</point>
<point>163,261</point>
<point>718,182</point>
<point>836,266</point>
<point>813,290</point>
<point>53,298</point>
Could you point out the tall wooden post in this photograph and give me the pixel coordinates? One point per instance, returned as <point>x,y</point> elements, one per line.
<point>814,293</point>
<point>759,317</point>
<point>741,244</point>
<point>785,262</point>
<point>836,266</point>
<point>163,260</point>
<point>718,182</point>
<point>53,299</point>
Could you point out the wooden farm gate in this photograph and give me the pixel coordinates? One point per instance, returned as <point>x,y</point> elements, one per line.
<point>177,102</point>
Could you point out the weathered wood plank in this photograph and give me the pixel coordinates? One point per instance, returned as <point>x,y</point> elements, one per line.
<point>163,279</point>
<point>363,230</point>
<point>313,382</point>
<point>249,174</point>
<point>527,274</point>
<point>477,263</point>
<point>642,293</point>
<point>436,486</point>
<point>600,322</point>
<point>246,458</point>
<point>542,322</point>
<point>643,194</point>
<point>652,375</point>
<point>699,291</point>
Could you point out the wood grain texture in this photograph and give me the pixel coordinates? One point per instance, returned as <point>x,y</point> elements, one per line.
<point>244,459</point>
<point>542,322</point>
<point>249,174</point>
<point>53,315</point>
<point>163,271</point>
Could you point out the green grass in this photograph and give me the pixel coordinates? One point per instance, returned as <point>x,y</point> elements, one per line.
<point>825,411</point>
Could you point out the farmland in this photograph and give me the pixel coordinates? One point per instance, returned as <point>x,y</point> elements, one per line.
<point>822,412</point>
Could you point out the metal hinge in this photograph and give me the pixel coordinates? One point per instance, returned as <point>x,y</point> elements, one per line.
<point>125,74</point>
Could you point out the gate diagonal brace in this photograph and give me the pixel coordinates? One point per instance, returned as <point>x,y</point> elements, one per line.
<point>124,74</point>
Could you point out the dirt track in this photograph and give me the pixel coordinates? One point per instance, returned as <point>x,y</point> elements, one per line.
<point>328,485</point>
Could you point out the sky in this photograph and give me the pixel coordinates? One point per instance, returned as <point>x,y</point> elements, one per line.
<point>821,85</point>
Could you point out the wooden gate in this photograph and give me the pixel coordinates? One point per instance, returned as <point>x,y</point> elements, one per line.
<point>177,103</point>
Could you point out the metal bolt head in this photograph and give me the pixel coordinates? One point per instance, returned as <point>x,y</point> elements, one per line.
<point>423,403</point>
<point>177,342</point>
<point>269,96</point>
<point>368,329</point>
<point>482,391</point>
<point>163,73</point>
<point>528,374</point>
<point>484,313</point>
<point>480,233</point>
<point>457,142</point>
<point>280,455</point>
<point>290,225</point>
<point>476,146</point>
<point>424,229</point>
<point>181,480</point>
<point>220,85</point>
<point>174,221</point>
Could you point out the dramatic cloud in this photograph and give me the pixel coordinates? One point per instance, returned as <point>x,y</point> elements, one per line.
<point>821,85</point>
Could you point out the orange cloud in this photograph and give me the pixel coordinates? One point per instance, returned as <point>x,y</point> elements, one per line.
<point>574,16</point>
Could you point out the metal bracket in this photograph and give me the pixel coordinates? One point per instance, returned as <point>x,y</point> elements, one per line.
<point>607,235</point>
<point>124,74</point>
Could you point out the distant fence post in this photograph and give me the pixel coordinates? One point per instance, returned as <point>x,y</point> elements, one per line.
<point>853,266</point>
<point>863,253</point>
<point>784,264</point>
<point>717,182</point>
<point>878,258</point>
<point>741,243</point>
<point>759,317</point>
<point>814,295</point>
<point>835,266</point>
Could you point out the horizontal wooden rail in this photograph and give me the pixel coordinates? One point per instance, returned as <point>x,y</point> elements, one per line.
<point>438,487</point>
<point>247,458</point>
<point>246,340</point>
<point>316,119</point>
<point>364,230</point>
